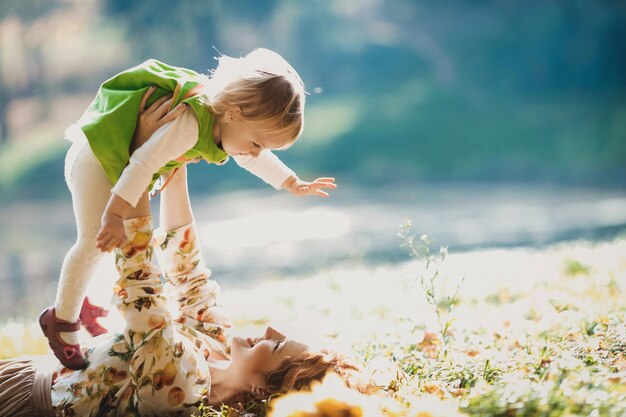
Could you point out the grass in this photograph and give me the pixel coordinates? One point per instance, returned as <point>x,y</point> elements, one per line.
<point>531,333</point>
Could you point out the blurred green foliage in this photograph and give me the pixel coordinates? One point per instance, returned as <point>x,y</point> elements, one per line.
<point>400,91</point>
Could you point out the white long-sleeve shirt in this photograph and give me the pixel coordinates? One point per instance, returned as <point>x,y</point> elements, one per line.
<point>171,141</point>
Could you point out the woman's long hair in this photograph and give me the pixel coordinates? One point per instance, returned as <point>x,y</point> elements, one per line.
<point>299,374</point>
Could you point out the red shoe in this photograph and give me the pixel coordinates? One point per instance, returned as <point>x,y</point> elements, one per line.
<point>70,355</point>
<point>88,315</point>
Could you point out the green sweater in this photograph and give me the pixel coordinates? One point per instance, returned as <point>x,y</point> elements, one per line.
<point>110,120</point>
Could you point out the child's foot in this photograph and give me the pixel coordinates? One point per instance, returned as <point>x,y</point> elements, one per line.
<point>70,355</point>
<point>88,315</point>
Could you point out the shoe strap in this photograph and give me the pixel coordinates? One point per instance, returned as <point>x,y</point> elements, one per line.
<point>66,326</point>
<point>94,312</point>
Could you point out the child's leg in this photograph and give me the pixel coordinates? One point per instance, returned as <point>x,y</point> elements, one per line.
<point>90,190</point>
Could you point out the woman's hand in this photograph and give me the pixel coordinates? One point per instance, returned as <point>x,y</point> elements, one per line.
<point>298,187</point>
<point>152,118</point>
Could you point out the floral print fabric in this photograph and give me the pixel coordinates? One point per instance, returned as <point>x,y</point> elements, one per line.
<point>188,282</point>
<point>158,364</point>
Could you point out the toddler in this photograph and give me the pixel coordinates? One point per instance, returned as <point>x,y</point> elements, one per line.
<point>248,106</point>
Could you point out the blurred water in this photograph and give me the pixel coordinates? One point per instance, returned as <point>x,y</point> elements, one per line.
<point>249,235</point>
<point>255,235</point>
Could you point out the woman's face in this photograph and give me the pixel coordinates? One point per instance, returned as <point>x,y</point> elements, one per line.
<point>265,354</point>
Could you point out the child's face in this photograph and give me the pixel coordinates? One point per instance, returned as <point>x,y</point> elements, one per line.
<point>237,137</point>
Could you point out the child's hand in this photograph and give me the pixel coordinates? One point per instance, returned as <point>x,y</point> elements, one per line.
<point>111,234</point>
<point>298,187</point>
<point>152,118</point>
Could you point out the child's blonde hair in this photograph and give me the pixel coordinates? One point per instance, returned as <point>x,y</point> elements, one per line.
<point>265,87</point>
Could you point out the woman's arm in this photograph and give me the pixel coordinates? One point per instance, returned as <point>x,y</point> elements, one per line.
<point>169,142</point>
<point>175,206</point>
<point>159,137</point>
<point>153,118</point>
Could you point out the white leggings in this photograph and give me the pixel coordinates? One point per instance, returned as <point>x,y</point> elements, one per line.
<point>90,190</point>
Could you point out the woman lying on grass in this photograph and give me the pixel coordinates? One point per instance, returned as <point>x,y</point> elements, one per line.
<point>164,363</point>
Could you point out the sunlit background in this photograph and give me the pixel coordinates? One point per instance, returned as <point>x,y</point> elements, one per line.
<point>499,123</point>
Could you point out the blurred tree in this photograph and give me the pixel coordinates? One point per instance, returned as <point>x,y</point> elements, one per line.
<point>497,89</point>
<point>180,33</point>
<point>501,89</point>
<point>20,15</point>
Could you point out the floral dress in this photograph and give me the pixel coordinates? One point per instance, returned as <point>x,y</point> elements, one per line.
<point>158,364</point>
